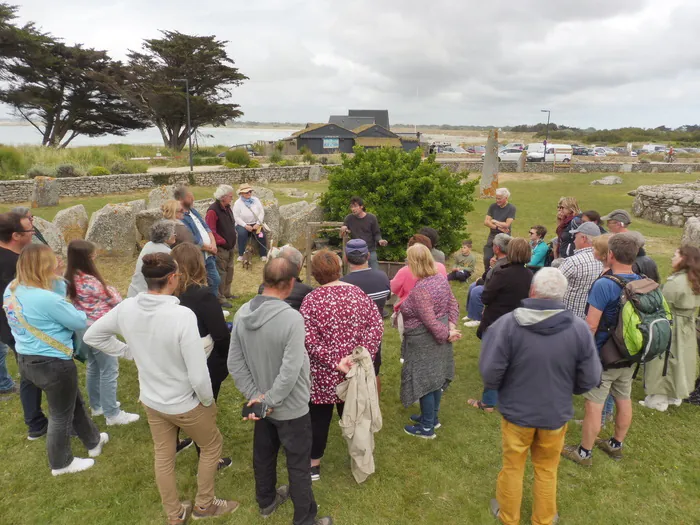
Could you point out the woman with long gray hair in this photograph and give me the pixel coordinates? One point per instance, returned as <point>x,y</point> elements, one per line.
<point>162,239</point>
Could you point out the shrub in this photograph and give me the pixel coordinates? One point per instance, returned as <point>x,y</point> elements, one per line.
<point>308,157</point>
<point>232,165</point>
<point>97,171</point>
<point>128,167</point>
<point>275,157</point>
<point>40,171</point>
<point>279,146</point>
<point>644,161</point>
<point>68,170</point>
<point>11,161</point>
<point>405,193</point>
<point>287,162</point>
<point>207,161</point>
<point>255,163</point>
<point>238,156</point>
<point>323,160</point>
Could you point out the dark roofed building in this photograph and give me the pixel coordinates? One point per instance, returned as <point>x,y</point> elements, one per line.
<point>375,136</point>
<point>325,138</point>
<point>380,116</point>
<point>344,121</point>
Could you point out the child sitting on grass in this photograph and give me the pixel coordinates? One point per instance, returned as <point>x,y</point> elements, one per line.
<point>464,264</point>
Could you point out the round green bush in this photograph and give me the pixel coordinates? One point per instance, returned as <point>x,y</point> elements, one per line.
<point>238,156</point>
<point>232,165</point>
<point>255,163</point>
<point>40,171</point>
<point>128,167</point>
<point>97,171</point>
<point>275,157</point>
<point>11,162</point>
<point>68,170</point>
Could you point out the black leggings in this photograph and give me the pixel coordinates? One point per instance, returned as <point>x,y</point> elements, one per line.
<point>321,416</point>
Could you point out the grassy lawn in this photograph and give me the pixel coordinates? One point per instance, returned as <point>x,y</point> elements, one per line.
<point>446,481</point>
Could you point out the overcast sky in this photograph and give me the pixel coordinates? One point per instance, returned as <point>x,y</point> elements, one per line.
<point>601,63</point>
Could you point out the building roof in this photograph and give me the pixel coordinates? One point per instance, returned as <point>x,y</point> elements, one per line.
<point>309,127</point>
<point>366,127</point>
<point>409,138</point>
<point>378,142</point>
<point>347,122</point>
<point>380,116</point>
<point>334,130</point>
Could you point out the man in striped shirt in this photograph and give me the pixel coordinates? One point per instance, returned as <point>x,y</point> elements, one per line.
<point>581,269</point>
<point>374,283</point>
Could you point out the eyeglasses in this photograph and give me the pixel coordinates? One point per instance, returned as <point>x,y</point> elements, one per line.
<point>560,207</point>
<point>533,233</point>
<point>24,231</point>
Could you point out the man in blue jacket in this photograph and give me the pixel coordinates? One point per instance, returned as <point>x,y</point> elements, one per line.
<point>537,357</point>
<point>203,237</point>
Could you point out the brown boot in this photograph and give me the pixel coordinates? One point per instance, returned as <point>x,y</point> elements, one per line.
<point>605,446</point>
<point>571,452</point>
<point>184,514</point>
<point>218,507</point>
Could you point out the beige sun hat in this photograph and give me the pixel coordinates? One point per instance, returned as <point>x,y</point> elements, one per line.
<point>244,188</point>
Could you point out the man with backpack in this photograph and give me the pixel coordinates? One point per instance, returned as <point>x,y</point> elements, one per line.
<point>638,302</point>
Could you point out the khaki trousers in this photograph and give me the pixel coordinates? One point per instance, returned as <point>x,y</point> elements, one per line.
<point>200,424</point>
<point>224,265</point>
<point>545,448</point>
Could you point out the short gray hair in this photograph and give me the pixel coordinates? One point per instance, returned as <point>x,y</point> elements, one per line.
<point>180,192</point>
<point>222,191</point>
<point>290,253</point>
<point>503,192</point>
<point>162,230</point>
<point>502,240</point>
<point>549,283</point>
<point>21,210</point>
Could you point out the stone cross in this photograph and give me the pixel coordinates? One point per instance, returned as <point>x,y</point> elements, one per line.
<point>489,173</point>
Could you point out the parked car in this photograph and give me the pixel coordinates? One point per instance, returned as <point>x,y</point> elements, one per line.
<point>610,151</point>
<point>599,152</point>
<point>580,150</point>
<point>555,152</point>
<point>514,145</point>
<point>452,149</point>
<point>479,149</point>
<point>507,155</point>
<point>633,153</point>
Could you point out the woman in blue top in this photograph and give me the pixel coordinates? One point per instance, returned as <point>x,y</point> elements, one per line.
<point>42,322</point>
<point>539,247</point>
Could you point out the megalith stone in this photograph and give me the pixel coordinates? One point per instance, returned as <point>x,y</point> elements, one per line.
<point>489,171</point>
<point>202,206</point>
<point>138,205</point>
<point>261,193</point>
<point>159,195</point>
<point>145,220</point>
<point>272,219</point>
<point>294,219</point>
<point>315,173</point>
<point>608,181</point>
<point>46,192</point>
<point>52,234</point>
<point>113,230</point>
<point>520,164</point>
<point>691,232</point>
<point>72,222</point>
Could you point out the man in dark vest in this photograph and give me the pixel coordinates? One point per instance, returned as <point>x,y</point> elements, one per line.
<point>219,218</point>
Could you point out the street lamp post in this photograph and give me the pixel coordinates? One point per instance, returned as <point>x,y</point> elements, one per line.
<point>546,138</point>
<point>189,121</point>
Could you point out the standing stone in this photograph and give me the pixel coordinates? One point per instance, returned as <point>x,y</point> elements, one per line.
<point>113,230</point>
<point>272,219</point>
<point>137,205</point>
<point>52,234</point>
<point>691,232</point>
<point>261,193</point>
<point>202,206</point>
<point>689,170</point>
<point>294,220</point>
<point>46,192</point>
<point>315,173</point>
<point>626,168</point>
<point>72,222</point>
<point>159,195</point>
<point>520,166</point>
<point>489,172</point>
<point>145,220</point>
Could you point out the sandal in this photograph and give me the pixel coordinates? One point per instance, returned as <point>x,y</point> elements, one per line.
<point>476,403</point>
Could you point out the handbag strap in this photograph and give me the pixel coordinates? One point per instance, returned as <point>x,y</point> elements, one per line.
<point>257,217</point>
<point>41,336</point>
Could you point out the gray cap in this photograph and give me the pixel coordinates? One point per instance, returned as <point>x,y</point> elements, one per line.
<point>589,229</point>
<point>619,216</point>
<point>502,240</point>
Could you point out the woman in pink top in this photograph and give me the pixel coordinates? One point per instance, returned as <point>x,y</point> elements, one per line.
<point>404,281</point>
<point>90,294</point>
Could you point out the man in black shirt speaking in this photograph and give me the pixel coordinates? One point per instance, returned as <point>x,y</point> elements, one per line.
<point>363,225</point>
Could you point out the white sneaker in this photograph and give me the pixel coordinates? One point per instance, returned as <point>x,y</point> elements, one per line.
<point>77,465</point>
<point>123,418</point>
<point>472,324</point>
<point>655,401</point>
<point>100,412</point>
<point>466,318</point>
<point>226,313</point>
<point>263,259</point>
<point>104,439</point>
<point>240,259</point>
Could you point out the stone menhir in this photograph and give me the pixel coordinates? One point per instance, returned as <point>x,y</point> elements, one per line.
<point>46,192</point>
<point>489,172</point>
<point>145,220</point>
<point>113,230</point>
<point>160,195</point>
<point>52,234</point>
<point>72,222</point>
<point>691,232</point>
<point>293,222</point>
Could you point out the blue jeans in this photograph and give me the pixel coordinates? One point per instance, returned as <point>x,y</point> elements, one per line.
<point>489,397</point>
<point>213,277</point>
<point>101,378</point>
<point>6,382</point>
<point>373,260</point>
<point>607,408</point>
<point>475,308</point>
<point>260,242</point>
<point>429,409</point>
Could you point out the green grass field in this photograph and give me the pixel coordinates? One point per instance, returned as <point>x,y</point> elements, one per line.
<point>445,481</point>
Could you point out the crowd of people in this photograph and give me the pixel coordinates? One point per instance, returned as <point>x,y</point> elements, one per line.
<point>549,315</point>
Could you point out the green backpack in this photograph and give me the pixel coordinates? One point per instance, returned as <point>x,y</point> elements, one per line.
<point>643,330</point>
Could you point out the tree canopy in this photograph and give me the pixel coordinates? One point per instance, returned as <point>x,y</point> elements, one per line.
<point>62,90</point>
<point>155,84</point>
<point>405,193</point>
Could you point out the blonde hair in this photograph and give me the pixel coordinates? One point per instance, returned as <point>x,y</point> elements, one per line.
<point>421,261</point>
<point>169,209</point>
<point>36,268</point>
<point>600,246</point>
<point>571,204</point>
<point>191,266</point>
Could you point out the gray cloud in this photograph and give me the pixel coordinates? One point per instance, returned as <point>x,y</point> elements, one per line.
<point>594,63</point>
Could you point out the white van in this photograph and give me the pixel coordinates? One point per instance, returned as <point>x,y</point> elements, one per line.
<point>653,148</point>
<point>555,152</point>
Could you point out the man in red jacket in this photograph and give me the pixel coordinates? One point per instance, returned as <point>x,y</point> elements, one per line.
<point>219,218</point>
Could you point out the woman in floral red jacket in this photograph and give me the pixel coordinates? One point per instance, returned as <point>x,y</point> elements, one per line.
<point>90,294</point>
<point>338,317</point>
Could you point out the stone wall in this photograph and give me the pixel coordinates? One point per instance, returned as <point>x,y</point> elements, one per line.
<point>671,204</point>
<point>21,191</point>
<point>575,167</point>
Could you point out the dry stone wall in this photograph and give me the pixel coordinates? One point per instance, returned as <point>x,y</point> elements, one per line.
<point>671,204</point>
<point>588,167</point>
<point>22,191</point>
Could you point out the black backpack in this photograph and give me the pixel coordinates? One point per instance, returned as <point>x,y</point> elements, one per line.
<point>550,255</point>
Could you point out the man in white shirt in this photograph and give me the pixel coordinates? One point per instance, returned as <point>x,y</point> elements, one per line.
<point>249,214</point>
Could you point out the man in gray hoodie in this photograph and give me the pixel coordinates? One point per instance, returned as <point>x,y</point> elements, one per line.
<point>536,357</point>
<point>270,366</point>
